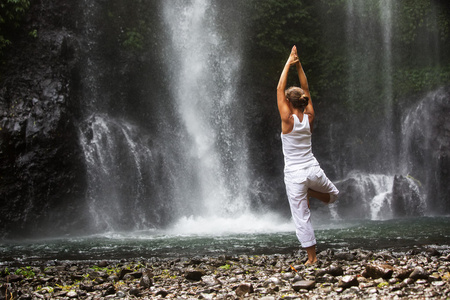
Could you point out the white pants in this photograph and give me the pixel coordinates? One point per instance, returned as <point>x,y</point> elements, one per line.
<point>297,185</point>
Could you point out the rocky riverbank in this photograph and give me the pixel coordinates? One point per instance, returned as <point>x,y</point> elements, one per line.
<point>388,274</point>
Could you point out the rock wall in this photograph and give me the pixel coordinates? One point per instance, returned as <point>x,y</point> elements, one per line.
<point>41,171</point>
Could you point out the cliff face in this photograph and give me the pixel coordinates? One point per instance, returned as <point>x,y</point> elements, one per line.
<point>41,171</point>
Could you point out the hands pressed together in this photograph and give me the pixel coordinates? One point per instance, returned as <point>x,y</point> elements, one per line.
<point>293,57</point>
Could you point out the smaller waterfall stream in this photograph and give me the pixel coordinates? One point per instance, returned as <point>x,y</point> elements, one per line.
<point>118,161</point>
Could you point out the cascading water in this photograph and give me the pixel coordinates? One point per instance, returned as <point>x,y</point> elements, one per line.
<point>116,156</point>
<point>371,59</point>
<point>204,90</point>
<point>369,51</point>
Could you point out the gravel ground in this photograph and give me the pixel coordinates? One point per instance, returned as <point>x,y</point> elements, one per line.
<point>348,274</point>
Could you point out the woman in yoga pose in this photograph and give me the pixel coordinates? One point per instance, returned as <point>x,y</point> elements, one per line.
<point>302,174</point>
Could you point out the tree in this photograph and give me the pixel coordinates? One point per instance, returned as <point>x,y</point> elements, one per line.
<point>11,14</point>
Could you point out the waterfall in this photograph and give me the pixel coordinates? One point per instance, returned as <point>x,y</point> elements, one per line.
<point>116,159</point>
<point>205,70</point>
<point>193,164</point>
<point>370,76</point>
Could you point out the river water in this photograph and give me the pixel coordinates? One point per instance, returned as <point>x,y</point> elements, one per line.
<point>399,234</point>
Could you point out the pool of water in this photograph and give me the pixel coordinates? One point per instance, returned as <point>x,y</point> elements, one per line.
<point>401,234</point>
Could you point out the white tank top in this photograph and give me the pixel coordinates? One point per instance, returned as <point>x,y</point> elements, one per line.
<point>297,146</point>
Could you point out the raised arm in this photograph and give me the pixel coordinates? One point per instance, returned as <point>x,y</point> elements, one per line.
<point>309,110</point>
<point>283,104</point>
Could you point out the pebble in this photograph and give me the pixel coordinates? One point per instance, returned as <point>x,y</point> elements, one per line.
<point>355,274</point>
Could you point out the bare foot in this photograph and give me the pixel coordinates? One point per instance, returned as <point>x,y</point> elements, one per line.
<point>310,263</point>
<point>324,197</point>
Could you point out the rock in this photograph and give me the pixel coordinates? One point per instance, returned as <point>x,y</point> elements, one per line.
<point>433,252</point>
<point>378,271</point>
<point>243,289</point>
<point>134,292</point>
<point>344,256</point>
<point>274,280</point>
<point>321,272</point>
<point>128,277</point>
<point>303,284</point>
<point>446,276</point>
<point>438,283</point>
<point>161,293</point>
<point>120,294</point>
<point>113,278</point>
<point>72,294</point>
<point>123,272</point>
<point>194,274</point>
<point>348,281</point>
<point>111,290</point>
<point>86,286</point>
<point>434,277</point>
<point>406,199</point>
<point>335,270</point>
<point>103,264</point>
<point>418,273</point>
<point>403,273</point>
<point>210,280</point>
<point>145,282</point>
<point>14,278</point>
<point>136,274</point>
<point>386,255</point>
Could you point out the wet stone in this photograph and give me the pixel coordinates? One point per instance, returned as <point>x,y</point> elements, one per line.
<point>348,281</point>
<point>303,284</point>
<point>418,273</point>
<point>378,271</point>
<point>244,288</point>
<point>72,294</point>
<point>195,274</point>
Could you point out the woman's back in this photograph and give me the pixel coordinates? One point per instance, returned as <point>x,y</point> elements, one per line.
<point>297,146</point>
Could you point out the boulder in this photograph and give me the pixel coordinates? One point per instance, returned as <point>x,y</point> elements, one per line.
<point>194,274</point>
<point>406,198</point>
<point>378,271</point>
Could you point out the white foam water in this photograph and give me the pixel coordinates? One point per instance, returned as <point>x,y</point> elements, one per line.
<point>206,71</point>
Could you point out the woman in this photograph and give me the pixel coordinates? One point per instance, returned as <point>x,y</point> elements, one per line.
<point>302,174</point>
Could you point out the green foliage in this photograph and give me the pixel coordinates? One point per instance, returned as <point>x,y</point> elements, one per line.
<point>109,271</point>
<point>130,24</point>
<point>33,33</point>
<point>27,272</point>
<point>225,267</point>
<point>134,39</point>
<point>350,63</point>
<point>413,79</point>
<point>11,14</point>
